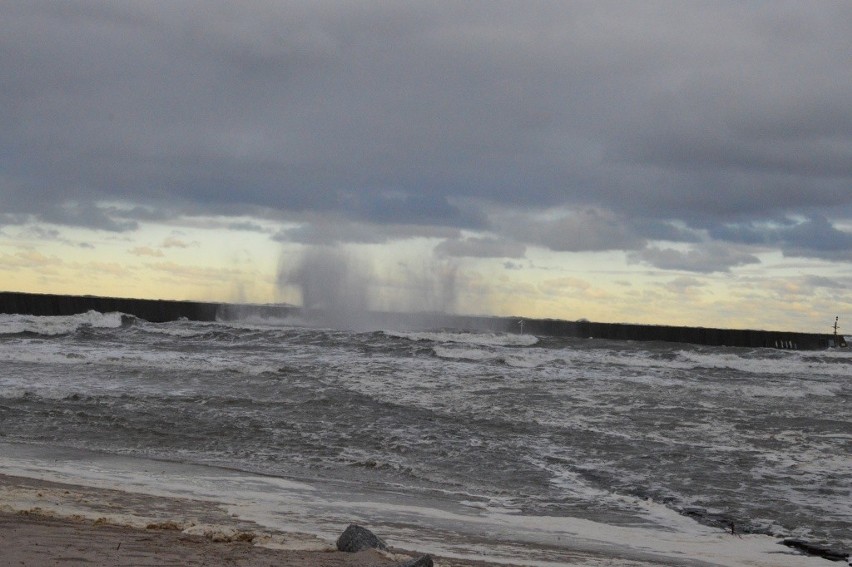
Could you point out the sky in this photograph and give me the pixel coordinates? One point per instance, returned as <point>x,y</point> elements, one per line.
<point>685,163</point>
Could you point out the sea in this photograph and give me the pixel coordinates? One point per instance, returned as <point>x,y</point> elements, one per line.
<point>467,443</point>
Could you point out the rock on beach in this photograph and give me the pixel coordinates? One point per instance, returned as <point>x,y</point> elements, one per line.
<point>356,538</point>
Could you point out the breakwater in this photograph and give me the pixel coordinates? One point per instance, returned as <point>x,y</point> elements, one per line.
<point>153,310</point>
<point>158,311</point>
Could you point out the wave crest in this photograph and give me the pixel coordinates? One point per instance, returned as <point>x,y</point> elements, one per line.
<point>61,324</point>
<point>461,337</point>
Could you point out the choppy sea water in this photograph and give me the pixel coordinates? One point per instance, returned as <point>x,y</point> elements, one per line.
<point>645,436</point>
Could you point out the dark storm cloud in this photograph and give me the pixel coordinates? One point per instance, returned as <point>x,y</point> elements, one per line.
<point>672,116</point>
<point>480,248</point>
<point>702,258</point>
<point>810,237</point>
<point>86,214</point>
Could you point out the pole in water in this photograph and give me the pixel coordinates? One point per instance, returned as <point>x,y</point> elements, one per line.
<point>521,324</point>
<point>838,340</point>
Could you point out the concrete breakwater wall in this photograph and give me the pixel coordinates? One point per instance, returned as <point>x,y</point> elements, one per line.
<point>158,311</point>
<point>627,331</point>
<point>693,335</point>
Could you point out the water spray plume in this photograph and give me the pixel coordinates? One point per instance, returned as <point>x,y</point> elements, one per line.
<point>339,287</point>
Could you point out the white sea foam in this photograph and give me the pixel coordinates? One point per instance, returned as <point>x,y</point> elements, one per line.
<point>175,329</point>
<point>58,325</point>
<point>436,526</point>
<point>265,323</point>
<point>785,363</point>
<point>473,354</point>
<point>127,355</point>
<point>481,339</point>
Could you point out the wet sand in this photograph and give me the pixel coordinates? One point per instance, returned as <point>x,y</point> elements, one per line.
<point>35,540</point>
<point>45,523</point>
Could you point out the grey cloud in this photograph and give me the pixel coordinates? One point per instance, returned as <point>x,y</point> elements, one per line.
<point>86,214</point>
<point>683,284</point>
<point>37,232</point>
<point>390,114</point>
<point>810,237</point>
<point>571,231</point>
<point>818,235</point>
<point>41,233</point>
<point>9,219</point>
<point>175,241</point>
<point>828,283</point>
<point>659,229</point>
<point>401,207</point>
<point>332,230</point>
<point>328,234</point>
<point>246,226</point>
<point>706,258</point>
<point>480,248</point>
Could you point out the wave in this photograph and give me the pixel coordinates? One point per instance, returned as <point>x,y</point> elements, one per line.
<point>13,324</point>
<point>463,337</point>
<point>767,362</point>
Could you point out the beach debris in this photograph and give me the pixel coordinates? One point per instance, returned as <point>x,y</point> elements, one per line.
<point>425,561</point>
<point>810,548</point>
<point>166,525</point>
<point>220,534</point>
<point>356,538</point>
<point>733,527</point>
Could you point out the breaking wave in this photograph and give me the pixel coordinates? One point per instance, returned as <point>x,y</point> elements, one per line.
<point>61,324</point>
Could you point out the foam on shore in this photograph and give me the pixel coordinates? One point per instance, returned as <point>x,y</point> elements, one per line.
<point>290,514</point>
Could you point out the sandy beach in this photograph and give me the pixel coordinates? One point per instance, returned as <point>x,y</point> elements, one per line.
<point>38,540</point>
<point>47,523</point>
<point>51,523</point>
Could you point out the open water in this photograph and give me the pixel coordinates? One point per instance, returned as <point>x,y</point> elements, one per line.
<point>622,435</point>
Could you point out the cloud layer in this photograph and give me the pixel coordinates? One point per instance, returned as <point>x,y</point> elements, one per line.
<point>581,126</point>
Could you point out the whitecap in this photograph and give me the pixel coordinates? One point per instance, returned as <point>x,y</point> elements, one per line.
<point>12,324</point>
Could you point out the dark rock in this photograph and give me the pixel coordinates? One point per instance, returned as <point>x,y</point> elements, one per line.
<point>425,561</point>
<point>355,538</point>
<point>815,549</point>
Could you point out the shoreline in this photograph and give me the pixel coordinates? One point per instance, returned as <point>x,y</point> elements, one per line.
<point>74,524</point>
<point>97,526</point>
<point>226,506</point>
<point>56,521</point>
<point>201,500</point>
